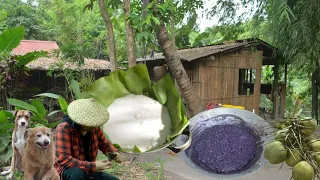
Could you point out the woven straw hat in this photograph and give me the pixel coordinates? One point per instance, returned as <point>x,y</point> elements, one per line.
<point>88,112</point>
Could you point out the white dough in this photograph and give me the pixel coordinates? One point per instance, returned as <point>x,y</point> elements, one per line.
<point>137,120</point>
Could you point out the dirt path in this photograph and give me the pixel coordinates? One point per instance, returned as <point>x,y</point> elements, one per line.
<point>178,170</point>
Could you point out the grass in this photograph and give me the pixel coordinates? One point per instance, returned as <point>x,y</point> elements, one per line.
<point>126,170</point>
<point>137,170</point>
<point>17,176</point>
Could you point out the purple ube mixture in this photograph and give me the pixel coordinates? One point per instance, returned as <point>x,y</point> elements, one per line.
<point>224,149</point>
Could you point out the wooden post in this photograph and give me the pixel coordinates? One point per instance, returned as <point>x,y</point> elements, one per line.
<point>283,93</point>
<point>275,96</point>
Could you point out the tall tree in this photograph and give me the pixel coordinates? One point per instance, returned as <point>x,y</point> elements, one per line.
<point>111,40</point>
<point>193,103</point>
<point>129,34</point>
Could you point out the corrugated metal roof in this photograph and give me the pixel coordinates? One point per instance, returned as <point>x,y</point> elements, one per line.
<point>27,46</point>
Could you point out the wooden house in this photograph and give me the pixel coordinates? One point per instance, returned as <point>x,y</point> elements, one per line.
<point>228,73</point>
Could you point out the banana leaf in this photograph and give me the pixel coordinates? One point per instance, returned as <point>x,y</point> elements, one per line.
<point>136,80</point>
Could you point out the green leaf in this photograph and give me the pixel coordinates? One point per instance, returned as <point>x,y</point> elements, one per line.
<point>22,104</point>
<point>50,95</point>
<point>52,125</point>
<point>6,126</point>
<point>148,19</point>
<point>3,117</point>
<point>38,119</point>
<point>119,84</point>
<point>2,147</point>
<point>9,114</point>
<point>11,38</point>
<point>53,112</point>
<point>5,140</point>
<point>63,104</point>
<point>40,107</point>
<point>166,93</point>
<point>135,149</point>
<point>31,56</point>
<point>144,34</point>
<point>155,20</point>
<point>136,80</point>
<point>5,156</point>
<point>76,89</point>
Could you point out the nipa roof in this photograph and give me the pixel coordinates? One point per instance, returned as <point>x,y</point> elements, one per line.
<point>191,54</point>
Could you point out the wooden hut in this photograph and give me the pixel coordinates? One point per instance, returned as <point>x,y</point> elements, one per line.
<point>228,73</point>
<point>44,74</point>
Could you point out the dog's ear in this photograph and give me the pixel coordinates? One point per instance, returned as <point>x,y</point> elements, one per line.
<point>14,113</point>
<point>31,113</point>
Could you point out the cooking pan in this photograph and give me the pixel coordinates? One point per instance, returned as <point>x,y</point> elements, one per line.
<point>227,116</point>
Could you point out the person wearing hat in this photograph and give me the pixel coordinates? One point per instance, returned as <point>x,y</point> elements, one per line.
<point>78,138</point>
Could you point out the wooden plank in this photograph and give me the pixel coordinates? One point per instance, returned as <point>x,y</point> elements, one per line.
<point>275,92</point>
<point>202,80</point>
<point>196,72</point>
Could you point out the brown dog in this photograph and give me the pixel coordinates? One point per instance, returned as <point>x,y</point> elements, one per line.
<point>39,155</point>
<point>22,123</point>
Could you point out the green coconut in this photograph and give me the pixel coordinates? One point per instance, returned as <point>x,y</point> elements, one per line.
<point>280,136</point>
<point>277,125</point>
<point>288,122</point>
<point>293,157</point>
<point>283,126</point>
<point>315,144</point>
<point>302,171</point>
<point>317,158</point>
<point>275,152</point>
<point>310,126</point>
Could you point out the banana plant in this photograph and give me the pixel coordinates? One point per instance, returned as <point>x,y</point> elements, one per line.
<point>7,125</point>
<point>13,64</point>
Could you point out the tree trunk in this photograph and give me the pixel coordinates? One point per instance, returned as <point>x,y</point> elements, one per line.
<point>129,35</point>
<point>111,44</point>
<point>315,95</point>
<point>144,13</point>
<point>192,102</point>
<point>173,35</point>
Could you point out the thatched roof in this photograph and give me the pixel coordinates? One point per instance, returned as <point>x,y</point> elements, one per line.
<point>55,63</point>
<point>191,54</point>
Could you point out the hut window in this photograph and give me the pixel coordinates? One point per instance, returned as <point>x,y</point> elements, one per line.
<point>246,81</point>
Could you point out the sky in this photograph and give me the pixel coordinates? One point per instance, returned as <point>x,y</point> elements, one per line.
<point>205,22</point>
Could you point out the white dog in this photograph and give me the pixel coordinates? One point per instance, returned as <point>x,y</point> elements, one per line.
<point>22,123</point>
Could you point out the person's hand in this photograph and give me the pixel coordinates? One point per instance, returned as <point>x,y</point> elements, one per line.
<point>115,156</point>
<point>103,165</point>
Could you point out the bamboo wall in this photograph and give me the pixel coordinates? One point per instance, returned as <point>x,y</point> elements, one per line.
<point>216,80</point>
